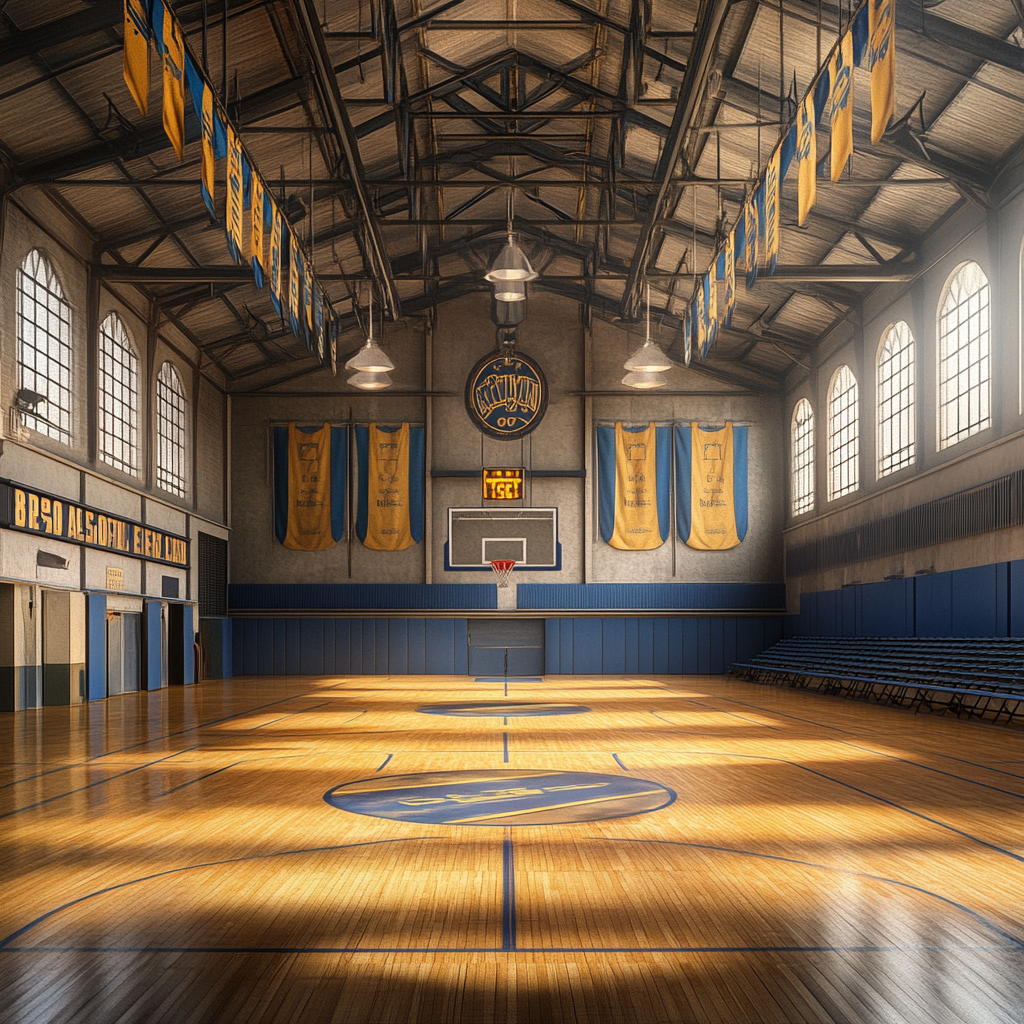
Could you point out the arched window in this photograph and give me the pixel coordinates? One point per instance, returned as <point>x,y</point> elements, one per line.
<point>44,347</point>
<point>896,420</point>
<point>964,364</point>
<point>119,397</point>
<point>802,435</point>
<point>170,431</point>
<point>843,434</point>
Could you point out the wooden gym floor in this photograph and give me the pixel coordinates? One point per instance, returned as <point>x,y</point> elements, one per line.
<point>171,857</point>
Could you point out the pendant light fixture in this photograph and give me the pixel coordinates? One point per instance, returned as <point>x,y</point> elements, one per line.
<point>648,358</point>
<point>511,270</point>
<point>644,381</point>
<point>371,363</point>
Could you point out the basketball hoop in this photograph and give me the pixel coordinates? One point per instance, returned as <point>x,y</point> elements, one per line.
<point>503,570</point>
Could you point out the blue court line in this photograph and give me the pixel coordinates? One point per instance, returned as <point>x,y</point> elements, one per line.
<point>506,687</point>
<point>245,760</point>
<point>109,778</point>
<point>863,792</point>
<point>508,894</point>
<point>5,943</point>
<point>620,764</point>
<point>985,767</point>
<point>504,743</point>
<point>384,762</point>
<point>782,714</point>
<point>509,679</point>
<point>665,720</point>
<point>292,715</point>
<point>1011,940</point>
<point>39,775</point>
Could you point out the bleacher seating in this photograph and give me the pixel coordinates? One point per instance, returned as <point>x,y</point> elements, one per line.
<point>975,677</point>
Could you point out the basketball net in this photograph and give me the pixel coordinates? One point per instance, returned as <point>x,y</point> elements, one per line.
<point>503,570</point>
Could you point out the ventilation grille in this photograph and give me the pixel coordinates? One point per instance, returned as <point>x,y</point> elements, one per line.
<point>990,506</point>
<point>213,576</point>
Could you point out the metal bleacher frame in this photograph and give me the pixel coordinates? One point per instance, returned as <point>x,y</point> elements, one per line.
<point>969,677</point>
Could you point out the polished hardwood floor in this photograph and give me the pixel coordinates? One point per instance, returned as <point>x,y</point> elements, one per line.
<point>171,857</point>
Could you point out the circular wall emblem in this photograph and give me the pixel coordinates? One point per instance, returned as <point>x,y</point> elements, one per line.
<point>506,396</point>
<point>502,709</point>
<point>500,797</point>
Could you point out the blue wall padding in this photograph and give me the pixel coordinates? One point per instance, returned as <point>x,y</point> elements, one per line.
<point>362,596</point>
<point>95,646</point>
<point>651,596</point>
<point>984,600</point>
<point>218,645</point>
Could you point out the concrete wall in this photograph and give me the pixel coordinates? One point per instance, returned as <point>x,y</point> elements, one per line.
<point>576,361</point>
<point>993,239</point>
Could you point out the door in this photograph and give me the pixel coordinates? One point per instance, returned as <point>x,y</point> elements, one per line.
<point>115,653</point>
<point>506,647</point>
<point>131,651</point>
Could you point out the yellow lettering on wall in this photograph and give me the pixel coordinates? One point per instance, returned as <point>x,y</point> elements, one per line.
<point>19,507</point>
<point>90,528</point>
<point>33,511</point>
<point>137,540</point>
<point>44,514</point>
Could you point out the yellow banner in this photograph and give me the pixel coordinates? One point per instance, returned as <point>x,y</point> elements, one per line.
<point>636,490</point>
<point>136,53</point>
<point>275,255</point>
<point>174,84</point>
<point>387,483</point>
<point>712,502</point>
<point>293,282</point>
<point>807,155</point>
<point>730,275</point>
<point>208,170</point>
<point>840,73</point>
<point>882,62</point>
<point>235,194</point>
<point>256,234</point>
<point>307,297</point>
<point>771,212</point>
<point>309,490</point>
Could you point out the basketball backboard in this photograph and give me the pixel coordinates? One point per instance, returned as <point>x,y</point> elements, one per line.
<point>479,536</point>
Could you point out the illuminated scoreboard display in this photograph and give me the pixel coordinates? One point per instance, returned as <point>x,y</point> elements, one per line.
<point>503,484</point>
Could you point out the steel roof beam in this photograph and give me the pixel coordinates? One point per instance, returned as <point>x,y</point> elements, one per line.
<point>334,106</point>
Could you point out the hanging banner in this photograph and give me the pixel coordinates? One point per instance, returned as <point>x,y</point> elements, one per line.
<point>711,485</point>
<point>236,196</point>
<point>634,470</point>
<point>390,498</point>
<point>730,276</point>
<point>256,229</point>
<point>807,158</point>
<point>310,469</point>
<point>882,64</point>
<point>750,234</point>
<point>174,83</point>
<point>687,335</point>
<point>318,318</point>
<point>136,53</point>
<point>711,291</point>
<point>700,320</point>
<point>307,301</point>
<point>771,213</point>
<point>275,257</point>
<point>209,150</point>
<point>840,73</point>
<point>334,342</point>
<point>293,284</point>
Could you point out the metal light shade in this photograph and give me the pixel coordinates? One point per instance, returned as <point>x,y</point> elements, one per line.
<point>369,381</point>
<point>370,358</point>
<point>644,381</point>
<point>511,265</point>
<point>648,359</point>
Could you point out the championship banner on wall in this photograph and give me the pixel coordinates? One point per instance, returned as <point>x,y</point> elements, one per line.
<point>389,516</point>
<point>711,485</point>
<point>310,468</point>
<point>634,472</point>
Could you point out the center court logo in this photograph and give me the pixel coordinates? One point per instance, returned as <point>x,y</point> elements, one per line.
<point>500,798</point>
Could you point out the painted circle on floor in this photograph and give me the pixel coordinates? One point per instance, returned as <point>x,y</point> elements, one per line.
<point>502,709</point>
<point>500,797</point>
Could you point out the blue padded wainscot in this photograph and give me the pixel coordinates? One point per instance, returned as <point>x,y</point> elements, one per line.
<point>652,596</point>
<point>362,597</point>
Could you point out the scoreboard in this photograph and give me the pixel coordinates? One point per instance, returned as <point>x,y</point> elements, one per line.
<point>503,484</point>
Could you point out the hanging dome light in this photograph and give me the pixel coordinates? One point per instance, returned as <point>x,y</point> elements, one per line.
<point>644,381</point>
<point>511,265</point>
<point>370,381</point>
<point>371,358</point>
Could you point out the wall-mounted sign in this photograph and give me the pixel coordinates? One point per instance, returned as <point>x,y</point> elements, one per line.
<point>506,396</point>
<point>503,484</point>
<point>115,578</point>
<point>31,511</point>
